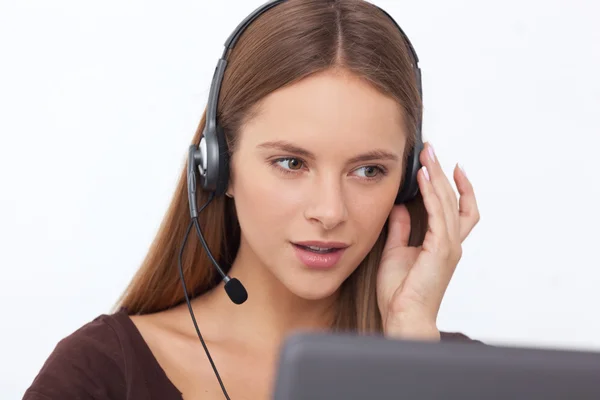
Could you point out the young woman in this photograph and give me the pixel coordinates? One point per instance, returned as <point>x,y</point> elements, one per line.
<point>320,108</point>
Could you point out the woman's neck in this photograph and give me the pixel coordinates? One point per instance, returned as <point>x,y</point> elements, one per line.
<point>271,312</point>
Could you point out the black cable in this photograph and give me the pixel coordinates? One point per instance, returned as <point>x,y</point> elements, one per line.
<point>194,221</point>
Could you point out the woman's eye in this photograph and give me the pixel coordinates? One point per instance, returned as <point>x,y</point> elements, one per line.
<point>293,164</point>
<point>369,171</point>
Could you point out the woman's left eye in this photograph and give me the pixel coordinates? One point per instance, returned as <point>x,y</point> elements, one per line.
<point>369,172</point>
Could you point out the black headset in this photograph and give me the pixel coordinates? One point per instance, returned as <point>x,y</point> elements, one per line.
<point>211,160</point>
<point>211,157</point>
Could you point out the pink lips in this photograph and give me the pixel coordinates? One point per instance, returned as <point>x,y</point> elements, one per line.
<point>313,258</point>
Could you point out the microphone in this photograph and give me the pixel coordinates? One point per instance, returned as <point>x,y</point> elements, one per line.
<point>235,290</point>
<point>233,287</point>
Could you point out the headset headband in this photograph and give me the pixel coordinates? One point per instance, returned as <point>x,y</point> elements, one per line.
<point>213,99</point>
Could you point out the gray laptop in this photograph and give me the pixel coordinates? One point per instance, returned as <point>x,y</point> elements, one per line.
<point>328,367</point>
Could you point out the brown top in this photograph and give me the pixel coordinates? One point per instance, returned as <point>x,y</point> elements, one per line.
<point>107,359</point>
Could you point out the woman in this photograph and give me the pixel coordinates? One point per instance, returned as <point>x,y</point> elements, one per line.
<point>320,107</point>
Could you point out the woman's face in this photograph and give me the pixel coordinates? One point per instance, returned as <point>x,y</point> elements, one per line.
<point>319,165</point>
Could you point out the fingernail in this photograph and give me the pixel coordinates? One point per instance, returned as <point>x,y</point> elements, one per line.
<point>462,169</point>
<point>425,172</point>
<point>431,152</point>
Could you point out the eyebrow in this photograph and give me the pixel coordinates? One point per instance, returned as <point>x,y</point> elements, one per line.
<point>288,147</point>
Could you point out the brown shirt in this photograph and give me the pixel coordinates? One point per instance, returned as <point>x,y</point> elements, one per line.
<point>107,359</point>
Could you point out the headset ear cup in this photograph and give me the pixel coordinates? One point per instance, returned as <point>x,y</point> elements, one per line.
<point>410,187</point>
<point>223,173</point>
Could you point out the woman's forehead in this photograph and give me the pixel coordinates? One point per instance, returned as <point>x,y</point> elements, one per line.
<point>328,109</point>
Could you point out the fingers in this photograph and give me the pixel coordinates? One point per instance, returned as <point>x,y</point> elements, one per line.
<point>398,228</point>
<point>460,215</point>
<point>467,206</point>
<point>437,234</point>
<point>443,190</point>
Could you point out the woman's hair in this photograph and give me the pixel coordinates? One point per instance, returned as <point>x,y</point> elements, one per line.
<point>289,42</point>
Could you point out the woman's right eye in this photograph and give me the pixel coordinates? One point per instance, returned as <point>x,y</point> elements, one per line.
<point>289,164</point>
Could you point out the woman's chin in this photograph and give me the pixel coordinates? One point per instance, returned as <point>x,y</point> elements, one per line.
<point>314,291</point>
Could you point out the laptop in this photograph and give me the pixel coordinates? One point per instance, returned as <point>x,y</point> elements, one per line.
<point>351,367</point>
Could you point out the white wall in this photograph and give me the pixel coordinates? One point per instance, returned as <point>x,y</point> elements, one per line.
<point>98,101</point>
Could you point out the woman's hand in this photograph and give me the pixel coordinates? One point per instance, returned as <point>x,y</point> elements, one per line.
<point>412,281</point>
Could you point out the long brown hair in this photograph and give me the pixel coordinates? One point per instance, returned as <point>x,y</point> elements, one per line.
<point>289,42</point>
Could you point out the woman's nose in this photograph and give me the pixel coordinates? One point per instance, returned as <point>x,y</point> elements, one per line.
<point>327,205</point>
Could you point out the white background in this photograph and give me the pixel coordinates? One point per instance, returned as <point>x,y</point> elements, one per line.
<point>99,100</point>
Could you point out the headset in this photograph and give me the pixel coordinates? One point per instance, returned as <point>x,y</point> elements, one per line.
<point>210,160</point>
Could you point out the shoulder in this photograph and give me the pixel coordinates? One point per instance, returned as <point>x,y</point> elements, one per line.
<point>457,337</point>
<point>89,363</point>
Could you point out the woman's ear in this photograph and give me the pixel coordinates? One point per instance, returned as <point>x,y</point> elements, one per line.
<point>229,191</point>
